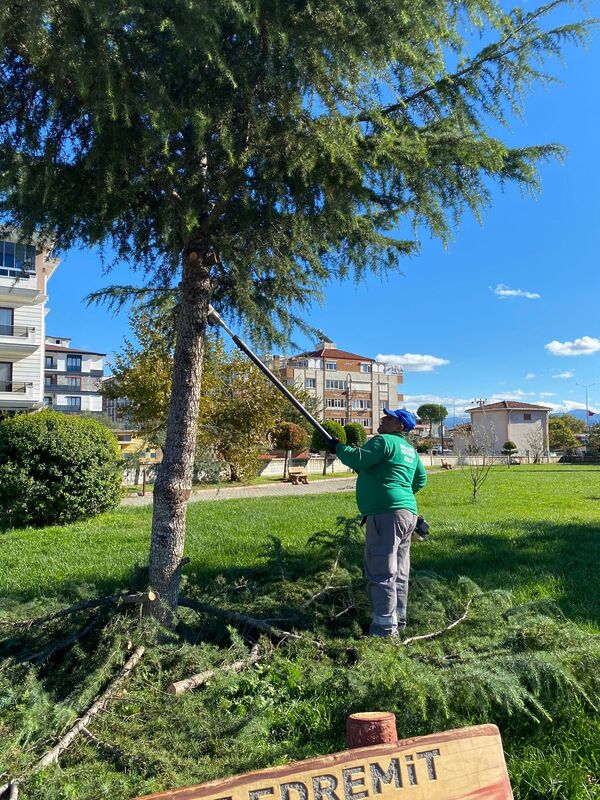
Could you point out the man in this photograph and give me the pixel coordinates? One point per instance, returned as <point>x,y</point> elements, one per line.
<point>389,474</point>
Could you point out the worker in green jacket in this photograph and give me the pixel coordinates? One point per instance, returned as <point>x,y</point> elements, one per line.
<point>390,473</point>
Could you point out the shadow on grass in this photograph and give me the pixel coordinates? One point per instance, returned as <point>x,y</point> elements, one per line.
<point>537,560</point>
<point>529,559</point>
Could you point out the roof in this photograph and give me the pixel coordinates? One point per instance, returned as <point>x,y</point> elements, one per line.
<point>56,348</point>
<point>510,405</point>
<point>332,353</point>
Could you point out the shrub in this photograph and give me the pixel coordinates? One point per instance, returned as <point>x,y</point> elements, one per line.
<point>355,434</point>
<point>289,436</point>
<point>334,429</point>
<point>56,468</point>
<point>423,445</point>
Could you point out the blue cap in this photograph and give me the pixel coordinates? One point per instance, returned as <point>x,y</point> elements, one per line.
<point>407,418</point>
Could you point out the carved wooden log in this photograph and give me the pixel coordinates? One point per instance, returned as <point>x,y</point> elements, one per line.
<point>370,727</point>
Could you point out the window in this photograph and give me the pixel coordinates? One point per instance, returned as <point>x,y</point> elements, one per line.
<point>339,420</point>
<point>310,383</point>
<point>527,417</point>
<point>365,368</point>
<point>49,362</point>
<point>329,384</point>
<point>383,404</point>
<point>48,402</point>
<point>74,363</point>
<point>74,383</point>
<point>330,365</point>
<point>6,376</point>
<point>336,403</point>
<point>74,403</point>
<point>50,380</point>
<point>302,363</point>
<point>16,259</point>
<point>366,422</point>
<point>6,321</point>
<point>124,437</point>
<point>361,404</point>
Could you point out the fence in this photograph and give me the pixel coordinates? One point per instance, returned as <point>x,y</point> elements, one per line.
<point>273,468</point>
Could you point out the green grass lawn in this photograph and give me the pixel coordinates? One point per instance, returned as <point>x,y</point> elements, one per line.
<point>526,552</point>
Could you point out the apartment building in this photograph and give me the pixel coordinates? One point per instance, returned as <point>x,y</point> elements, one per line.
<point>115,408</point>
<point>24,273</point>
<point>73,378</point>
<point>349,387</point>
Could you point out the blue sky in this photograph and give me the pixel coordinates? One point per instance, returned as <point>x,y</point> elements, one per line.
<point>446,306</point>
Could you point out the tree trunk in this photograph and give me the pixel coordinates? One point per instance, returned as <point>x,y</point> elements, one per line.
<point>325,462</point>
<point>286,464</point>
<point>174,479</point>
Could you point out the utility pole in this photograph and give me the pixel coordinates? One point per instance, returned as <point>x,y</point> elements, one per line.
<point>587,410</point>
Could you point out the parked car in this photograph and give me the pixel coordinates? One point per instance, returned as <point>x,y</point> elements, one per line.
<point>437,451</point>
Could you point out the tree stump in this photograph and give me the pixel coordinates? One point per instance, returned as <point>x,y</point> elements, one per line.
<point>370,727</point>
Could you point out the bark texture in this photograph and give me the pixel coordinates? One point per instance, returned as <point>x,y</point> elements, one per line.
<point>174,479</point>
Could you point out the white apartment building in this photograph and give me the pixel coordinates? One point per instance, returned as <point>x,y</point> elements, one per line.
<point>24,273</point>
<point>349,387</point>
<point>73,378</point>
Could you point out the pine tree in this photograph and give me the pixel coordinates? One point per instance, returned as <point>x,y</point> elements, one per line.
<point>248,152</point>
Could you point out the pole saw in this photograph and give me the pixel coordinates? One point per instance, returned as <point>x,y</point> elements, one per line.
<point>215,319</point>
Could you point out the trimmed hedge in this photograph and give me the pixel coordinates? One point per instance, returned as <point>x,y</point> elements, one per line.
<point>56,468</point>
<point>355,434</point>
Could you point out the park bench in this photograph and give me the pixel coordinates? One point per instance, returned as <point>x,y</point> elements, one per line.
<point>446,465</point>
<point>298,475</point>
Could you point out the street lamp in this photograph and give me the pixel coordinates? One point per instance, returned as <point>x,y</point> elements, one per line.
<point>587,410</point>
<point>349,396</point>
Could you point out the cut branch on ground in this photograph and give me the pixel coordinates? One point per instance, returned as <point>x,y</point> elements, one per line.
<point>241,620</point>
<point>85,605</point>
<point>200,678</point>
<point>435,634</point>
<point>52,756</point>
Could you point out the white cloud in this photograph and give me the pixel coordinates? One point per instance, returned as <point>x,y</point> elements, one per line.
<point>413,401</point>
<point>565,406</point>
<point>529,376</point>
<point>547,394</point>
<point>564,375</point>
<point>584,346</point>
<point>413,362</point>
<point>503,292</point>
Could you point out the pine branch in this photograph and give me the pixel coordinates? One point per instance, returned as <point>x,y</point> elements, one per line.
<point>244,621</point>
<point>97,707</point>
<point>126,599</point>
<point>200,678</point>
<point>45,654</point>
<point>435,634</point>
<point>115,298</point>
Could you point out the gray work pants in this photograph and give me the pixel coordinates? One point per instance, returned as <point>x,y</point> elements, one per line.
<point>387,564</point>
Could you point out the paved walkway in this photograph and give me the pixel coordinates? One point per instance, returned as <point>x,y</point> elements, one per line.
<point>346,484</point>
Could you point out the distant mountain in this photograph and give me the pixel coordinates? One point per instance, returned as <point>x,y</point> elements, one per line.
<point>580,413</point>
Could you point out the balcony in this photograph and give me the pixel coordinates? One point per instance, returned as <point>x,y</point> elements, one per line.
<point>17,339</point>
<point>17,395</point>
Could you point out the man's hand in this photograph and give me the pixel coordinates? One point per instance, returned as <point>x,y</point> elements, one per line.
<point>333,445</point>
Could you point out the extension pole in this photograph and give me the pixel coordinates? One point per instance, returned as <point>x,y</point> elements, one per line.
<point>215,319</point>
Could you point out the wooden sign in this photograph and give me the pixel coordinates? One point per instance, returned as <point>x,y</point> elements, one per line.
<point>463,764</point>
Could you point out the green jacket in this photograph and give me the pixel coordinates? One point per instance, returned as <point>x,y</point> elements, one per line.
<point>389,473</point>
